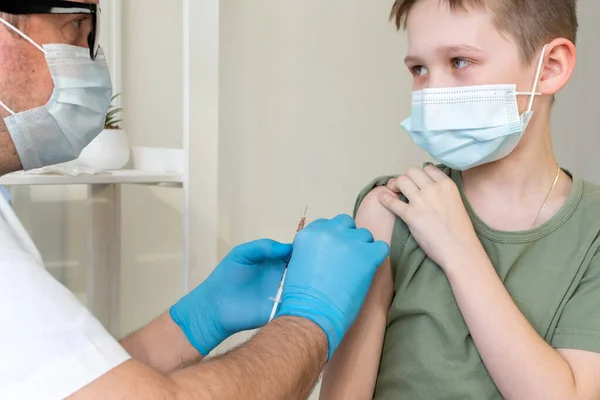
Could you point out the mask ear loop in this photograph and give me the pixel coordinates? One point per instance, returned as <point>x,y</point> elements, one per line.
<point>24,36</point>
<point>8,110</point>
<point>537,79</point>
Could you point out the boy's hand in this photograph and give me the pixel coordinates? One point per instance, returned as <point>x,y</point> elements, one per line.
<point>435,214</point>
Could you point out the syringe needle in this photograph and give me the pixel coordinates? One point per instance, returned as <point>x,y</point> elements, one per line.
<point>277,298</point>
<point>302,220</point>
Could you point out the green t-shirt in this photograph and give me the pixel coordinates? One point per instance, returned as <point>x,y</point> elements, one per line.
<point>552,272</point>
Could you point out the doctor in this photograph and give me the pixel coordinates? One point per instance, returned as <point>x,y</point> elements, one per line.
<point>54,92</point>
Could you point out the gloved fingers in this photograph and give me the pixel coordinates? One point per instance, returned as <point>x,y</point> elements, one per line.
<point>343,221</point>
<point>361,234</point>
<point>260,251</point>
<point>340,222</point>
<point>380,250</point>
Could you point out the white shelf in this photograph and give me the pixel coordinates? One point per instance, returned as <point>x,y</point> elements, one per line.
<point>113,177</point>
<point>148,168</point>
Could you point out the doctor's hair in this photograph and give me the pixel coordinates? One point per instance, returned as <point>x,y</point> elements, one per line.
<point>532,23</point>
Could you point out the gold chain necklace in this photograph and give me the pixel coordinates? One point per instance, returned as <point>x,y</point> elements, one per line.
<point>547,198</point>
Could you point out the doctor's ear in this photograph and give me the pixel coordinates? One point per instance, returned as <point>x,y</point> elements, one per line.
<point>559,64</point>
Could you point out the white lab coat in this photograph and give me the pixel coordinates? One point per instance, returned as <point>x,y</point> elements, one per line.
<point>50,345</point>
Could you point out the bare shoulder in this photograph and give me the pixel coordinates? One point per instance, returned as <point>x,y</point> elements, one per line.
<point>375,217</point>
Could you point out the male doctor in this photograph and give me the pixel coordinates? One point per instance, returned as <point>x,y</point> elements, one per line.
<point>54,92</point>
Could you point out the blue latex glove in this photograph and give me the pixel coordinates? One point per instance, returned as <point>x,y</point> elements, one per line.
<point>235,297</point>
<point>329,275</point>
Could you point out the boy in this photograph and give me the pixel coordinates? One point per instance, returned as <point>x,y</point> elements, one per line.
<point>492,289</point>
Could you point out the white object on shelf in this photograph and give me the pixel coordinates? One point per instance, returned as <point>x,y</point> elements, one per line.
<point>108,151</point>
<point>67,169</point>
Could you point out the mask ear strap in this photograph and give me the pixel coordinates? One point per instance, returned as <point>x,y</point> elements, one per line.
<point>537,78</point>
<point>8,110</point>
<point>24,36</point>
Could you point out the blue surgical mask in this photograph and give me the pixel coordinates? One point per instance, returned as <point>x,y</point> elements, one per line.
<point>464,127</point>
<point>75,114</point>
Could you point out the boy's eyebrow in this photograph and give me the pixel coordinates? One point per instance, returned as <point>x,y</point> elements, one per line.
<point>462,47</point>
<point>445,50</point>
<point>411,59</point>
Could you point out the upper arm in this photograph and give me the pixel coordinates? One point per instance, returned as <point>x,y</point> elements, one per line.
<point>577,335</point>
<point>352,371</point>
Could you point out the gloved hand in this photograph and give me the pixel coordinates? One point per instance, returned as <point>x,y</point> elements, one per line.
<point>329,275</point>
<point>235,297</point>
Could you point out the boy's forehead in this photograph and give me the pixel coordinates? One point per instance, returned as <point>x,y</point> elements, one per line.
<point>431,24</point>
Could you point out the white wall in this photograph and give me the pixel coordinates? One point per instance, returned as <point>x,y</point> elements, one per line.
<point>577,113</point>
<point>312,94</point>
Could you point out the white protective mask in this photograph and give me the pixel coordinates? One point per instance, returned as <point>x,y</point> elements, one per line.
<point>464,127</point>
<point>75,114</point>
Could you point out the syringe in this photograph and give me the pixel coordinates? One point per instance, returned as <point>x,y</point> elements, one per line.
<point>277,299</point>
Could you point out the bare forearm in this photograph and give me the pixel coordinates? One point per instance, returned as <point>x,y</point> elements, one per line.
<point>521,363</point>
<point>283,361</point>
<point>162,346</point>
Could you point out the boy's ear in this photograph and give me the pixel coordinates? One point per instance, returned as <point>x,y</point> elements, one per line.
<point>559,64</point>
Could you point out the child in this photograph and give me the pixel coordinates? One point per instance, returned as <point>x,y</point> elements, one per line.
<point>492,289</point>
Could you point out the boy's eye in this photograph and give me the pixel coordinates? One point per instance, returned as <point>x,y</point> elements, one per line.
<point>458,63</point>
<point>419,70</point>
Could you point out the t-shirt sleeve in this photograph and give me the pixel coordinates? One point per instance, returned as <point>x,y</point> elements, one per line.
<point>579,324</point>
<point>381,181</point>
<point>50,344</point>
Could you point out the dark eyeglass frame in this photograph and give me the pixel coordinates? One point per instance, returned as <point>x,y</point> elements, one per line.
<point>27,7</point>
